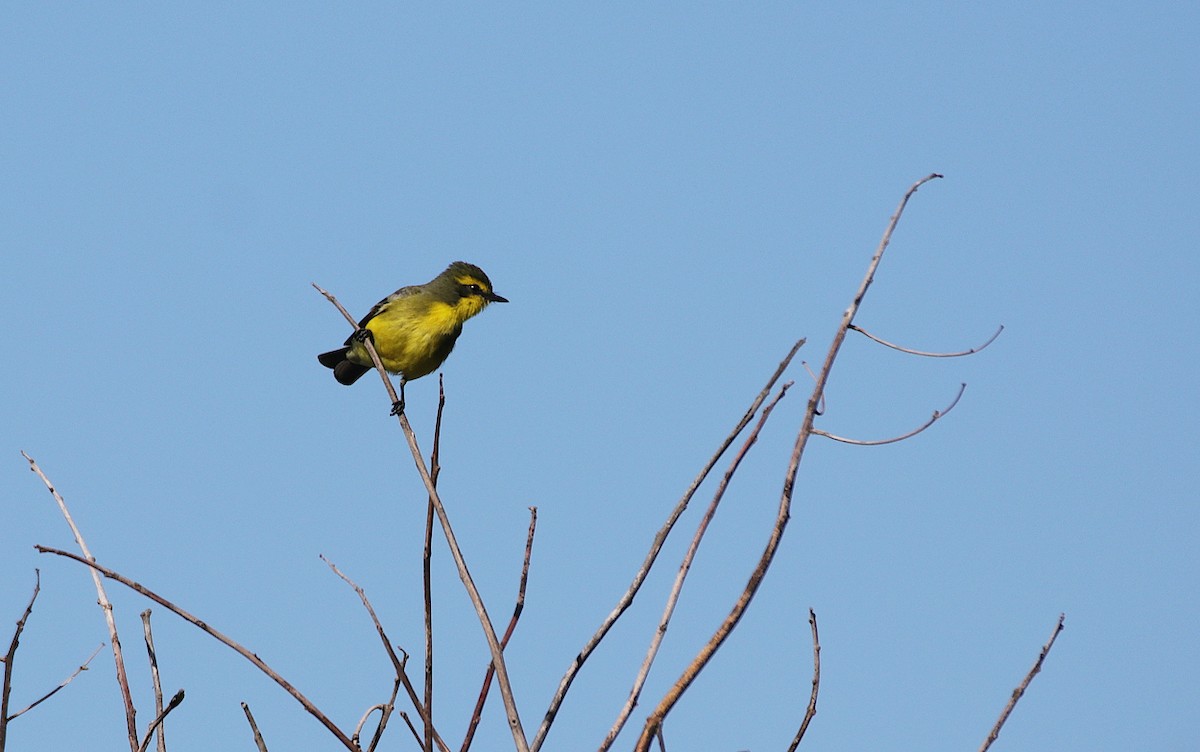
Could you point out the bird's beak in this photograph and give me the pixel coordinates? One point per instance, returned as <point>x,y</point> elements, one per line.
<point>494,298</point>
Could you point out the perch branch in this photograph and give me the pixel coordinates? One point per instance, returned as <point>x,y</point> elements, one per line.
<point>1020,690</point>
<point>937,414</point>
<point>212,632</point>
<point>923,353</point>
<point>489,631</point>
<point>105,606</point>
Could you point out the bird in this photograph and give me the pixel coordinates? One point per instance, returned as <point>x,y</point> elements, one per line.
<point>415,328</point>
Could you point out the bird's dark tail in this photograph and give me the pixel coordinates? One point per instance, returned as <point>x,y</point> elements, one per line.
<point>345,371</point>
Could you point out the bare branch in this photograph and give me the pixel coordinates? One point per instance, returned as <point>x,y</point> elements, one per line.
<point>204,627</point>
<point>411,727</point>
<point>162,716</point>
<point>83,667</point>
<point>1020,690</point>
<point>811,712</point>
<point>154,679</point>
<point>652,555</point>
<point>937,414</point>
<point>435,469</point>
<point>385,716</point>
<point>258,740</point>
<point>684,567</point>
<point>6,688</point>
<point>383,710</point>
<point>397,663</point>
<point>105,606</point>
<point>922,353</point>
<point>672,696</point>
<point>512,625</point>
<point>489,631</point>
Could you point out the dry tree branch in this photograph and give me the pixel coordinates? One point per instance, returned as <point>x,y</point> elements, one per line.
<point>154,679</point>
<point>937,415</point>
<point>489,631</point>
<point>258,740</point>
<point>652,555</point>
<point>385,716</point>
<point>212,632</point>
<point>923,353</point>
<point>397,663</point>
<point>435,469</point>
<point>1020,690</point>
<point>105,606</point>
<point>512,625</point>
<point>162,716</point>
<point>672,696</point>
<point>6,689</point>
<point>411,727</point>
<point>684,567</point>
<point>82,667</point>
<point>366,716</point>
<point>811,711</point>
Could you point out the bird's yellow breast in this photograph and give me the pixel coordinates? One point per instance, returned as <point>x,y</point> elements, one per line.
<point>413,335</point>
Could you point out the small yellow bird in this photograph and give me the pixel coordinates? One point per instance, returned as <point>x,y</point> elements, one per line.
<point>414,328</point>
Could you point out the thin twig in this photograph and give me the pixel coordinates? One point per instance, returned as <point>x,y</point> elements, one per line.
<point>652,555</point>
<point>489,631</point>
<point>672,696</point>
<point>397,663</point>
<point>258,740</point>
<point>1020,690</point>
<point>923,353</point>
<point>105,606</point>
<point>11,654</point>
<point>385,716</point>
<point>357,735</point>
<point>684,567</point>
<point>937,415</point>
<point>154,679</point>
<point>435,469</point>
<point>82,667</point>
<point>408,721</point>
<point>512,625</point>
<point>811,711</point>
<point>212,632</point>
<point>158,721</point>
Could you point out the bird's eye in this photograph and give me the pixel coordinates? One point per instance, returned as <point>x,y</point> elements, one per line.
<point>475,289</point>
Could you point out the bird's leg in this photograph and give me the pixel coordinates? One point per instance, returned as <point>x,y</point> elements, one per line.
<point>398,405</point>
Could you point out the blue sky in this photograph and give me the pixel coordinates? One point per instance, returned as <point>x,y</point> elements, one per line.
<point>669,195</point>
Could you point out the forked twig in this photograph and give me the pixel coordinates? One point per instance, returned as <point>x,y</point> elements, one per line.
<point>1020,690</point>
<point>397,663</point>
<point>512,625</point>
<point>158,720</point>
<point>261,665</point>
<point>652,555</point>
<point>464,574</point>
<point>654,721</point>
<point>10,655</point>
<point>105,606</point>
<point>811,711</point>
<point>937,415</point>
<point>923,353</point>
<point>82,667</point>
<point>384,717</point>
<point>684,567</point>
<point>258,740</point>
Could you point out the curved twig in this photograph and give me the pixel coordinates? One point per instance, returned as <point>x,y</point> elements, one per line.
<point>388,708</point>
<point>671,697</point>
<point>684,567</point>
<point>105,606</point>
<point>1020,690</point>
<point>937,415</point>
<point>82,667</point>
<point>811,712</point>
<point>922,353</point>
<point>652,555</point>
<point>397,662</point>
<point>261,665</point>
